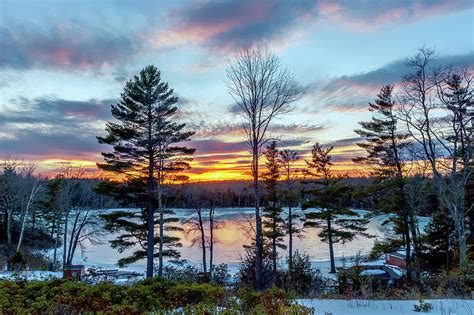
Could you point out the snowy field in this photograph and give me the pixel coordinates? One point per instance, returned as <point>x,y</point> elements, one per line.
<point>388,307</point>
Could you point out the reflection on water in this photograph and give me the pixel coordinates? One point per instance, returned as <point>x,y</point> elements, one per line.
<point>234,232</point>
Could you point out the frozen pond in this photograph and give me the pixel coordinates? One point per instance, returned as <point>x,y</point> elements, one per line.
<point>234,232</point>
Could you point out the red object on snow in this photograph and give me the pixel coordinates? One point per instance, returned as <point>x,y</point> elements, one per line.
<point>396,259</point>
<point>74,272</point>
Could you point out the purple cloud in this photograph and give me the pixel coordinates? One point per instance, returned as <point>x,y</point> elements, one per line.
<point>230,24</point>
<point>67,46</point>
<point>353,92</point>
<point>46,127</point>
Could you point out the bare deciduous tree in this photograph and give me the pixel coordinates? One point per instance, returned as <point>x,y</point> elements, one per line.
<point>79,209</point>
<point>262,89</point>
<point>29,191</point>
<point>85,223</point>
<point>69,185</point>
<point>213,225</point>
<point>435,108</point>
<point>202,224</point>
<point>7,193</point>
<point>196,226</point>
<point>20,190</point>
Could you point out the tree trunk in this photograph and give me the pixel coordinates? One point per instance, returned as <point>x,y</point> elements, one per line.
<point>331,249</point>
<point>53,225</point>
<point>203,241</point>
<point>448,248</point>
<point>406,226</point>
<point>75,242</point>
<point>66,219</point>
<point>211,240</point>
<point>460,228</point>
<point>162,222</point>
<point>29,203</point>
<point>211,252</point>
<point>56,240</point>
<point>150,225</point>
<point>454,202</point>
<point>290,240</point>
<point>73,236</point>
<point>9,230</point>
<point>56,232</point>
<point>274,249</point>
<point>7,237</point>
<point>22,228</point>
<point>416,248</point>
<point>406,231</point>
<point>461,232</point>
<point>471,227</point>
<point>258,224</point>
<point>403,203</point>
<point>33,219</point>
<point>150,210</point>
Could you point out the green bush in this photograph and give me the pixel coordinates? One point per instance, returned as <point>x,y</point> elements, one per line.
<point>249,298</point>
<point>201,309</point>
<point>272,301</point>
<point>186,273</point>
<point>184,294</point>
<point>220,274</point>
<point>68,297</point>
<point>454,284</point>
<point>148,296</point>
<point>303,279</point>
<point>17,261</point>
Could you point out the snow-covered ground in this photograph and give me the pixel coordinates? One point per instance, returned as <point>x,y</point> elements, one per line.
<point>388,307</point>
<point>35,275</point>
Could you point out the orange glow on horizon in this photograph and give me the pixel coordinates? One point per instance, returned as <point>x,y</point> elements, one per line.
<point>209,167</point>
<point>51,167</point>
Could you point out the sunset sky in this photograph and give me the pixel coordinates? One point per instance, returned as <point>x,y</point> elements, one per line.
<point>63,63</point>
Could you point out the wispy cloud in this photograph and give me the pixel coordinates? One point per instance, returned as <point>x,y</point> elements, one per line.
<point>232,23</point>
<point>76,43</point>
<point>372,14</point>
<point>353,92</point>
<point>65,46</point>
<point>225,25</point>
<point>47,127</point>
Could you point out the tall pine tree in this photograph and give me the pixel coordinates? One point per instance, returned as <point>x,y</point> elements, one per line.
<point>144,147</point>
<point>288,159</point>
<point>327,201</point>
<point>384,145</point>
<point>273,223</point>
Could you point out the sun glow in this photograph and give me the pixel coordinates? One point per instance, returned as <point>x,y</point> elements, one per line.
<point>209,167</point>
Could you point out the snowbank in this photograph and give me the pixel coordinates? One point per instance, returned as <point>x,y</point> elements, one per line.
<point>35,275</point>
<point>388,307</point>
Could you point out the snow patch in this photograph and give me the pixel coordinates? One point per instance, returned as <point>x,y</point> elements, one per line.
<point>34,275</point>
<point>387,307</point>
